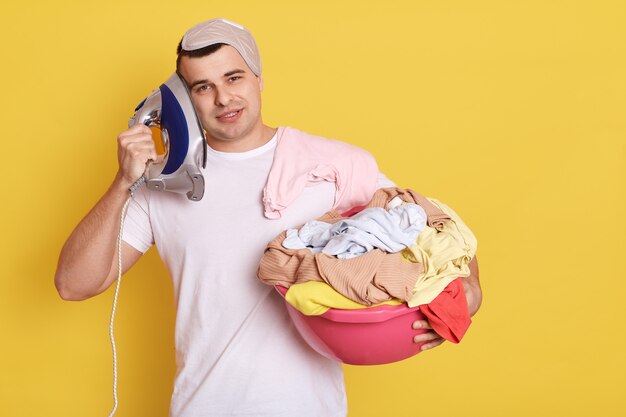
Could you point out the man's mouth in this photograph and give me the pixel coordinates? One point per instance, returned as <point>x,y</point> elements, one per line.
<point>229,116</point>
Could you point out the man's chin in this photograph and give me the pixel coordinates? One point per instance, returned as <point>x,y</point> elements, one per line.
<point>227,134</point>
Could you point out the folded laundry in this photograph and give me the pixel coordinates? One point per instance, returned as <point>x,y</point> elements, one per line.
<point>417,275</point>
<point>390,230</point>
<point>368,279</point>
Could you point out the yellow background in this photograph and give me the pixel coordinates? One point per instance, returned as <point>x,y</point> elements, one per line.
<point>510,112</point>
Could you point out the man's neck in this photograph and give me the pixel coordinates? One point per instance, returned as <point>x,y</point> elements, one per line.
<point>254,140</point>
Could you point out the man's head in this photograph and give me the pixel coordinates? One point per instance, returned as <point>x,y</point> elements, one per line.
<point>207,37</point>
<point>221,65</point>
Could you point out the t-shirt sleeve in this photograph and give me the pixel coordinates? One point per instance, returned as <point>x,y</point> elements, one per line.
<point>384,182</point>
<point>137,227</point>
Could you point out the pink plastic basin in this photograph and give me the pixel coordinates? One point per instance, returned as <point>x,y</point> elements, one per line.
<point>369,336</point>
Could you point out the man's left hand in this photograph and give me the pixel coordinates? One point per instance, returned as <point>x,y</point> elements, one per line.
<point>474,297</point>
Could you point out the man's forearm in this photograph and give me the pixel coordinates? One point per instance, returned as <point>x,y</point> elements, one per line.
<point>473,292</point>
<point>88,254</point>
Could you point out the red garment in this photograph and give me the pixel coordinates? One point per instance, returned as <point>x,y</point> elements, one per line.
<point>448,313</point>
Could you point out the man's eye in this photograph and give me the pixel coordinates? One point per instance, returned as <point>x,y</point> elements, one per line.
<point>234,78</point>
<point>203,88</point>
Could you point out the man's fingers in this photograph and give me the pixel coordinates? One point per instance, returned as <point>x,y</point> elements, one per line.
<point>433,344</point>
<point>136,134</point>
<point>135,150</point>
<point>144,146</point>
<point>430,340</point>
<point>421,324</point>
<point>140,137</point>
<point>425,337</point>
<point>136,129</point>
<point>158,158</point>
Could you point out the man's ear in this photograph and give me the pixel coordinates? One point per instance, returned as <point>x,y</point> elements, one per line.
<point>260,82</point>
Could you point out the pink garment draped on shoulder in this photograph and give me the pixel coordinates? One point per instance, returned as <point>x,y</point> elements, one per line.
<point>302,159</point>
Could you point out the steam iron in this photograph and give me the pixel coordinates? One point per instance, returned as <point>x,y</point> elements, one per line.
<point>170,108</point>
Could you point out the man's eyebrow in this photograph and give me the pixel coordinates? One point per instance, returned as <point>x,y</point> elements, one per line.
<point>233,72</point>
<point>226,75</point>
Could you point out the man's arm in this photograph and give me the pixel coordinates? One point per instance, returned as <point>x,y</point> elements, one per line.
<point>474,296</point>
<point>473,292</point>
<point>88,262</point>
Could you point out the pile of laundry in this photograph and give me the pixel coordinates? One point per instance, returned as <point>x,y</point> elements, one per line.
<point>400,248</point>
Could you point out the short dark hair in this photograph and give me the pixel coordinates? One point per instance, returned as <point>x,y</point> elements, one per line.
<point>207,50</point>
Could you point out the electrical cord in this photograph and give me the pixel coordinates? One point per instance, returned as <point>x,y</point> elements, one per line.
<point>117,290</point>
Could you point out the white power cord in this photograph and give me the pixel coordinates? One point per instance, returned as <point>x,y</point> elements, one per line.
<point>117,290</point>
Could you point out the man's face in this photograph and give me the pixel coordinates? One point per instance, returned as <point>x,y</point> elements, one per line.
<point>227,98</point>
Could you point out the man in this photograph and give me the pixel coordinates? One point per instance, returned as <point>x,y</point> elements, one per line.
<point>236,351</point>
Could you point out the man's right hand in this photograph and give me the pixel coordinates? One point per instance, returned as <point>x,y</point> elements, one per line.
<point>135,149</point>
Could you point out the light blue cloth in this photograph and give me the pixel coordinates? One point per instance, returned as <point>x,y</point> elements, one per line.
<point>314,235</point>
<point>374,227</point>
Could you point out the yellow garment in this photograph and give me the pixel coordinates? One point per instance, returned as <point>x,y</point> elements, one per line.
<point>444,254</point>
<point>315,297</point>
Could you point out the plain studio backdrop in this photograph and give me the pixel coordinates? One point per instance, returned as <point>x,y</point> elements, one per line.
<point>511,112</point>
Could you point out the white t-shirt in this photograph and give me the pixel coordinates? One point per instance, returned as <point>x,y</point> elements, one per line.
<point>237,352</point>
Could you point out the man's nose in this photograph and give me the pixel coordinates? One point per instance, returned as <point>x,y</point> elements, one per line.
<point>223,96</point>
